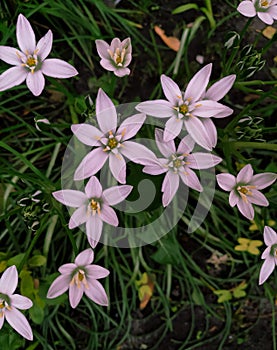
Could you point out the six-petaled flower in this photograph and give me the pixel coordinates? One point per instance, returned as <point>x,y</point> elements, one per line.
<point>80,277</point>
<point>266,10</point>
<point>269,255</point>
<point>30,61</point>
<point>244,189</point>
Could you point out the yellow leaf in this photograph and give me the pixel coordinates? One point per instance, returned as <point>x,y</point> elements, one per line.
<point>269,31</point>
<point>172,42</point>
<point>248,245</point>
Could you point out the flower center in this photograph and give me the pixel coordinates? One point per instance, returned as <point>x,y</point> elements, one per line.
<point>273,250</point>
<point>245,191</point>
<point>118,56</point>
<point>112,143</point>
<point>94,206</point>
<point>79,278</point>
<point>31,61</point>
<point>264,3</point>
<point>175,162</point>
<point>184,109</point>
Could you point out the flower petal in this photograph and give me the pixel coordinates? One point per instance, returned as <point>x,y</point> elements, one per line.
<point>78,217</point>
<point>9,280</point>
<point>209,108</point>
<point>84,258</point>
<point>59,286</point>
<point>201,160</point>
<point>247,8</point>
<point>210,128</point>
<point>121,72</point>
<point>116,194</point>
<point>155,169</point>
<point>117,166</point>
<point>157,108</point>
<point>172,129</point>
<point>102,48</point>
<point>25,35</point>
<point>137,153</point>
<point>93,188</point>
<point>93,230</point>
<point>197,85</point>
<point>10,55</point>
<point>258,198</point>
<point>245,175</point>
<point>186,145</point>
<point>35,82</point>
<point>91,164</point>
<point>226,181</point>
<point>219,89</point>
<point>87,134</point>
<point>265,17</point>
<point>105,112</point>
<point>75,294</point>
<point>246,209</point>
<point>166,148</point>
<point>270,236</point>
<point>264,180</point>
<point>12,77</point>
<point>233,198</point>
<point>97,293</point>
<point>108,64</point>
<point>190,179</point>
<point>19,322</point>
<point>20,302</point>
<point>169,187</point>
<point>171,90</point>
<point>199,133</point>
<point>67,269</point>
<point>266,269</point>
<point>96,271</point>
<point>131,125</point>
<point>2,319</point>
<point>108,215</point>
<point>44,45</point>
<point>56,68</point>
<point>71,198</point>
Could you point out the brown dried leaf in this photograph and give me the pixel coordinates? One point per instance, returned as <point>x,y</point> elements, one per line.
<point>172,42</point>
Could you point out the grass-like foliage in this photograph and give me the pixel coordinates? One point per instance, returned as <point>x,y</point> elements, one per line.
<point>163,150</point>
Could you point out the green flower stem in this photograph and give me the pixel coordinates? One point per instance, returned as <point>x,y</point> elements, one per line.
<point>256,145</point>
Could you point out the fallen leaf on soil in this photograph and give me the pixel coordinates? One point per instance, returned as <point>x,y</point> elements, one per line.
<point>248,245</point>
<point>217,259</point>
<point>269,31</point>
<point>145,289</point>
<point>172,42</point>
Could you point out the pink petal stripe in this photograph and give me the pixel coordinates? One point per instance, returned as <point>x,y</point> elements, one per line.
<point>264,180</point>
<point>20,302</point>
<point>35,82</point>
<point>9,280</point>
<point>25,35</point>
<point>270,236</point>
<point>44,45</point>
<point>87,134</point>
<point>245,175</point>
<point>97,293</point>
<point>91,164</point>
<point>121,72</point>
<point>210,128</point>
<point>169,187</point>
<point>71,198</point>
<point>108,64</point>
<point>171,90</point>
<point>191,180</point>
<point>19,322</point>
<point>67,269</point>
<point>108,215</point>
<point>78,217</point>
<point>94,228</point>
<point>10,55</point>
<point>116,194</point>
<point>56,68</point>
<point>233,198</point>
<point>197,85</point>
<point>59,286</point>
<point>172,129</point>
<point>12,77</point>
<point>199,133</point>
<point>219,89</point>
<point>266,269</point>
<point>226,181</point>
<point>84,258</point>
<point>105,112</point>
<point>247,8</point>
<point>258,198</point>
<point>157,108</point>
<point>75,294</point>
<point>93,188</point>
<point>208,108</point>
<point>137,153</point>
<point>166,148</point>
<point>265,17</point>
<point>117,166</point>
<point>102,48</point>
<point>201,160</point>
<point>96,271</point>
<point>131,125</point>
<point>246,209</point>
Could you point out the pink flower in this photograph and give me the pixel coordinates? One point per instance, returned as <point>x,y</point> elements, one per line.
<point>80,277</point>
<point>93,206</point>
<point>10,302</point>
<point>115,57</point>
<point>191,109</point>
<point>177,165</point>
<point>31,63</point>
<point>265,9</point>
<point>270,254</point>
<point>111,142</point>
<point>245,189</point>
